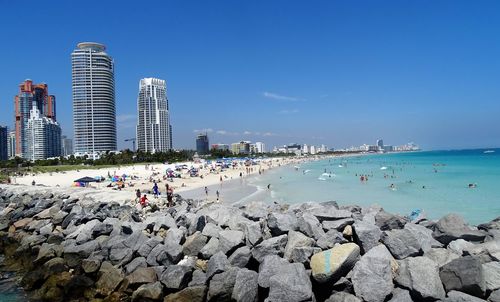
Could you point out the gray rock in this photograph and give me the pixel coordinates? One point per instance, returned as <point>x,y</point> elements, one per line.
<point>245,287</point>
<point>280,223</point>
<point>368,235</point>
<point>218,263</point>
<point>310,225</point>
<point>400,295</point>
<point>494,296</point>
<point>47,252</point>
<point>330,265</point>
<point>402,243</point>
<point>291,284</point>
<point>142,275</point>
<point>222,285</point>
<point>198,278</point>
<point>135,264</point>
<point>253,233</point>
<point>326,212</point>
<point>423,235</point>
<point>303,254</point>
<point>119,254</point>
<point>455,296</point>
<point>148,292</point>
<point>148,246</point>
<point>189,294</point>
<point>101,229</point>
<point>330,239</point>
<point>464,274</point>
<point>194,244</point>
<point>110,278</point>
<point>211,230</point>
<point>46,229</point>
<point>157,256</point>
<point>240,257</point>
<point>387,221</point>
<point>174,235</point>
<point>210,248</point>
<point>73,254</point>
<point>440,255</point>
<point>424,276</point>
<point>491,275</point>
<point>342,297</point>
<point>91,265</point>
<point>372,279</point>
<point>452,227</point>
<point>296,240</point>
<point>176,277</point>
<point>229,240</point>
<point>59,217</point>
<point>137,241</point>
<point>272,246</point>
<point>255,210</point>
<point>174,251</point>
<point>338,225</point>
<point>269,266</point>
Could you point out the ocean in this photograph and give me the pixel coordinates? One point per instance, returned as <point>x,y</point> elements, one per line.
<point>436,182</point>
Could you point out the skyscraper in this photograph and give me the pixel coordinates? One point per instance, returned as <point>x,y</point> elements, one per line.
<point>153,122</point>
<point>3,143</point>
<point>94,112</point>
<point>31,95</point>
<point>11,149</point>
<point>43,136</point>
<point>202,144</point>
<point>380,144</point>
<point>66,146</point>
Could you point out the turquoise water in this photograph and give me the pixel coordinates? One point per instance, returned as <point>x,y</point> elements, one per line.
<point>434,181</point>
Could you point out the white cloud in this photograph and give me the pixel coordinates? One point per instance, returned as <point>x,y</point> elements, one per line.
<point>268,134</point>
<point>247,133</point>
<point>288,111</point>
<point>208,130</point>
<point>224,132</point>
<point>275,96</point>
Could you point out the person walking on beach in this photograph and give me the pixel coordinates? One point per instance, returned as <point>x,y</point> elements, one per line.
<point>137,195</point>
<point>206,192</point>
<point>217,193</point>
<point>170,196</point>
<point>155,190</point>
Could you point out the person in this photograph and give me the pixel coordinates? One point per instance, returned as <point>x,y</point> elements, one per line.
<point>269,186</point>
<point>33,182</point>
<point>137,195</point>
<point>472,186</point>
<point>155,190</point>
<point>170,196</point>
<point>144,201</point>
<point>217,193</point>
<point>206,191</point>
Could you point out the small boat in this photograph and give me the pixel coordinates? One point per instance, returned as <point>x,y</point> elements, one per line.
<point>489,151</point>
<point>383,168</point>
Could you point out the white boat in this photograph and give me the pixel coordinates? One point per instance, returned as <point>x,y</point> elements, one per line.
<point>383,168</point>
<point>489,151</point>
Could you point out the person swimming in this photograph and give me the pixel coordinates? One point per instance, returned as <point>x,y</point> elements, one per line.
<point>472,186</point>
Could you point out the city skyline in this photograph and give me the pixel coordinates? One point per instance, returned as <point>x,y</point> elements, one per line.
<point>341,76</point>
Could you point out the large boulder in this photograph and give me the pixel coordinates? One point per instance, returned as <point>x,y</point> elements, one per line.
<point>229,240</point>
<point>328,212</point>
<point>387,221</point>
<point>271,246</point>
<point>402,243</point>
<point>423,235</point>
<point>189,294</point>
<point>240,257</point>
<point>148,292</point>
<point>460,246</point>
<point>372,279</point>
<point>491,274</point>
<point>367,235</point>
<point>494,296</point>
<point>142,275</point>
<point>455,296</point>
<point>338,225</point>
<point>330,265</point>
<point>400,295</point>
<point>110,278</point>
<point>222,285</point>
<point>193,244</point>
<point>330,239</point>
<point>281,223</point>
<point>296,240</point>
<point>210,248</point>
<point>291,283</point>
<point>245,287</point>
<point>452,227</point>
<point>176,277</point>
<point>218,263</point>
<point>342,297</point>
<point>464,274</point>
<point>211,230</point>
<point>441,256</point>
<point>310,225</point>
<point>269,266</point>
<point>424,278</point>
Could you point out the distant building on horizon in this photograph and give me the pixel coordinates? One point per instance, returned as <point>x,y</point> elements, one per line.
<point>260,147</point>
<point>66,146</point>
<point>11,144</point>
<point>30,95</point>
<point>380,144</point>
<point>4,142</point>
<point>220,147</point>
<point>242,147</point>
<point>202,144</point>
<point>153,132</point>
<point>94,111</point>
<point>43,136</point>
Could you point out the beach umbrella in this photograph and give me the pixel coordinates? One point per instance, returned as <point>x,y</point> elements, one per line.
<point>86,179</point>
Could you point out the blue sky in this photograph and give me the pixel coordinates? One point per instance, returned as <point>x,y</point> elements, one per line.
<point>335,72</point>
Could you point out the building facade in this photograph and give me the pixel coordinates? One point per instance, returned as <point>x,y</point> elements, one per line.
<point>221,147</point>
<point>260,147</point>
<point>202,144</point>
<point>43,136</point>
<point>11,148</point>
<point>66,146</point>
<point>153,129</point>
<point>94,111</point>
<point>4,143</point>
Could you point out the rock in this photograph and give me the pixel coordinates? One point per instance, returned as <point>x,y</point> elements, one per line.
<point>198,278</point>
<point>91,265</point>
<point>253,233</point>
<point>282,223</point>
<point>245,287</point>
<point>46,229</point>
<point>222,285</point>
<point>142,275</point>
<point>272,246</point>
<point>310,225</point>
<point>455,296</point>
<point>387,221</point>
<point>464,274</point>
<point>47,252</point>
<point>174,235</point>
<point>330,239</point>
<point>211,230</point>
<point>73,253</point>
<point>303,254</point>
<point>400,295</point>
<point>135,264</point>
<point>401,243</point>
<point>255,210</point>
<point>240,257</point>
<point>440,256</point>
<point>194,244</point>
<point>494,296</point>
<point>452,227</point>
<point>174,251</point>
<point>138,241</point>
<point>110,278</point>
<point>22,223</point>
<point>424,276</point>
<point>54,266</point>
<point>148,246</point>
<point>330,265</point>
<point>269,266</point>
<point>347,232</point>
<point>459,246</point>
<point>367,234</point>
<point>101,229</point>
<point>176,277</point>
<point>59,217</point>
<point>342,297</point>
<point>210,248</point>
<point>148,292</point>
<point>119,254</point>
<point>189,294</point>
<point>296,240</point>
<point>338,225</point>
<point>423,235</point>
<point>229,240</point>
<point>218,263</point>
<point>372,279</point>
<point>491,275</point>
<point>291,283</point>
<point>329,213</point>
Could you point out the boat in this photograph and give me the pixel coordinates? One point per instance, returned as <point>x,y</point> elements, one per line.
<point>489,151</point>
<point>383,168</point>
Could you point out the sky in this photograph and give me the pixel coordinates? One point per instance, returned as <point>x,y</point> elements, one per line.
<point>339,73</point>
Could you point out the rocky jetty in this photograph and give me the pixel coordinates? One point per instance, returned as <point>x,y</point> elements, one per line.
<point>70,247</point>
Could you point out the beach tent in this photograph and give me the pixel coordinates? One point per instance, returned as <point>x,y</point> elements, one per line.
<point>86,179</point>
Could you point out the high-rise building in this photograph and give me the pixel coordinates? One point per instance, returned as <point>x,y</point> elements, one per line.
<point>153,122</point>
<point>3,143</point>
<point>94,112</point>
<point>11,148</point>
<point>260,147</point>
<point>380,144</point>
<point>66,146</point>
<point>43,136</point>
<point>202,144</point>
<point>31,95</point>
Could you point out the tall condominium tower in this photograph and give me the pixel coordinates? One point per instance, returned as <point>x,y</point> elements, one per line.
<point>31,95</point>
<point>94,113</point>
<point>202,144</point>
<point>153,121</point>
<point>43,136</point>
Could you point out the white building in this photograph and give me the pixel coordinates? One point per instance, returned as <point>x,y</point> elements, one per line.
<point>11,144</point>
<point>322,149</point>
<point>94,112</point>
<point>66,146</point>
<point>260,147</point>
<point>43,136</point>
<point>305,149</point>
<point>312,150</point>
<point>153,121</point>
